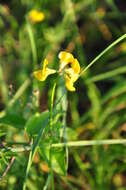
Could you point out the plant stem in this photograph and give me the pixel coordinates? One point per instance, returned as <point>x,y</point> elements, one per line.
<point>3,86</point>
<point>33,46</point>
<point>19,92</point>
<point>51,126</point>
<point>90,143</point>
<point>69,144</point>
<point>35,98</point>
<point>8,168</point>
<point>47,182</point>
<point>51,104</point>
<point>17,95</point>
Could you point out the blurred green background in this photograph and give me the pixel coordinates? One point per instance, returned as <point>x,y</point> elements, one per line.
<point>97,110</point>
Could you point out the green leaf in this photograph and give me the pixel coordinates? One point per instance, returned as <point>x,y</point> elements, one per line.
<point>57,157</point>
<point>14,120</point>
<point>2,134</point>
<point>34,124</point>
<point>58,161</point>
<point>44,151</point>
<point>29,128</point>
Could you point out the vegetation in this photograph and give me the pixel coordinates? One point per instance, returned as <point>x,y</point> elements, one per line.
<point>67,129</point>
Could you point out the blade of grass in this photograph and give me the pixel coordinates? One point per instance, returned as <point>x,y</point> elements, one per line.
<point>3,85</point>
<point>35,99</point>
<point>47,182</point>
<point>115,91</point>
<point>32,42</point>
<point>17,95</point>
<point>102,53</point>
<point>107,75</point>
<point>33,151</point>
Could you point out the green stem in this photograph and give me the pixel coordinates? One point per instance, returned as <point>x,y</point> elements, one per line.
<point>35,98</point>
<point>47,183</point>
<point>3,86</point>
<point>16,149</point>
<point>17,95</point>
<point>28,165</point>
<point>64,107</point>
<point>90,143</point>
<point>19,92</point>
<point>51,105</point>
<point>69,144</point>
<point>33,46</point>
<point>51,126</point>
<point>103,52</point>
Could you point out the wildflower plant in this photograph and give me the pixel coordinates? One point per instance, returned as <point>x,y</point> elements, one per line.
<point>68,67</point>
<point>39,151</point>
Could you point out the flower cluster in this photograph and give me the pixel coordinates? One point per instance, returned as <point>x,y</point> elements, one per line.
<point>69,68</point>
<point>36,16</point>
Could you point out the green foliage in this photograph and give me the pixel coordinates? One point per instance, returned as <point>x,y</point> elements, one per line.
<point>36,122</point>
<point>14,120</point>
<point>79,143</point>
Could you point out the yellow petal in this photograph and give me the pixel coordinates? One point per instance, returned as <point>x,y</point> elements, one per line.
<point>38,75</point>
<point>41,75</point>
<point>50,71</point>
<point>75,66</point>
<point>65,58</point>
<point>36,16</point>
<point>70,72</point>
<point>69,83</point>
<point>45,63</point>
<point>75,77</point>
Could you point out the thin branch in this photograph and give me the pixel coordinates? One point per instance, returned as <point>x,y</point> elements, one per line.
<point>8,168</point>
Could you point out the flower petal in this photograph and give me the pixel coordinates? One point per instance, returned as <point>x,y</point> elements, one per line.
<point>36,16</point>
<point>41,75</point>
<point>75,66</point>
<point>50,71</point>
<point>65,58</point>
<point>69,83</point>
<point>38,75</point>
<point>70,72</point>
<point>45,63</point>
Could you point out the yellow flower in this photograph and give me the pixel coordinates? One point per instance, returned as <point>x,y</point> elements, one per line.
<point>41,75</point>
<point>36,16</point>
<point>65,58</point>
<point>69,83</point>
<point>71,68</point>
